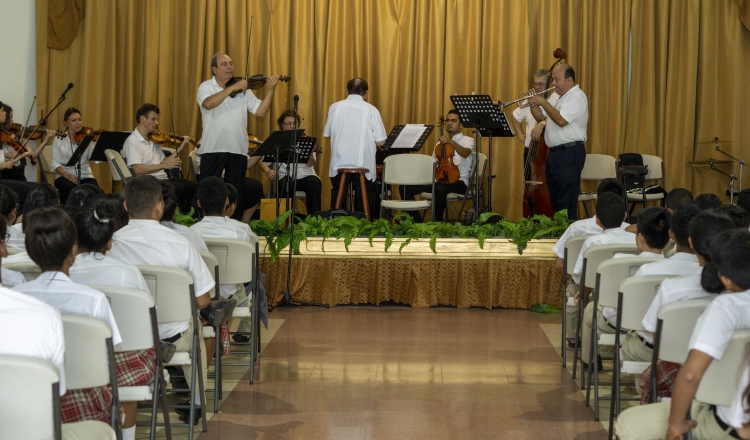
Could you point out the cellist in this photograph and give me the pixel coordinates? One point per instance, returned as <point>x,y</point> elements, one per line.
<point>565,133</point>
<point>462,147</point>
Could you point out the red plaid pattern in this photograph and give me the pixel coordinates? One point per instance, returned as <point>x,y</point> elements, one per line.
<point>666,373</point>
<point>223,336</point>
<point>135,368</point>
<point>86,404</point>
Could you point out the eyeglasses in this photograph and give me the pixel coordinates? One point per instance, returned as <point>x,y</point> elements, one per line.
<point>539,84</point>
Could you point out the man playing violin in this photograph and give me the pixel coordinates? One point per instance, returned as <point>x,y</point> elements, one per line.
<point>224,141</point>
<point>462,148</point>
<point>145,157</point>
<point>63,149</point>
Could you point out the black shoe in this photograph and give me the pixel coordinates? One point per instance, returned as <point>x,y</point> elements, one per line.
<point>178,381</point>
<point>184,413</point>
<point>240,338</point>
<point>572,344</point>
<point>599,365</point>
<point>167,350</point>
<point>218,312</point>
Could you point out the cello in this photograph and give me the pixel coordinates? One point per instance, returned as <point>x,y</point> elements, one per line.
<point>536,200</point>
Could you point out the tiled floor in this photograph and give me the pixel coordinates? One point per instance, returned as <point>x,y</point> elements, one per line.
<point>396,372</point>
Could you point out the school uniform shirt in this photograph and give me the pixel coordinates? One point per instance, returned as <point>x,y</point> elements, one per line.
<point>11,278</point>
<point>574,108</point>
<point>223,227</point>
<point>140,151</point>
<point>93,268</point>
<point>225,126</point>
<point>149,243</point>
<point>354,127</point>
<point>681,263</point>
<point>462,163</point>
<point>727,313</point>
<point>32,328</point>
<point>193,237</point>
<point>17,240</point>
<point>675,289</point>
<point>586,226</point>
<point>609,236</point>
<point>62,151</point>
<point>59,291</point>
<point>736,416</point>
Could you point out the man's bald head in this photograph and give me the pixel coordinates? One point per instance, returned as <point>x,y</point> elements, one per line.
<point>563,78</point>
<point>357,86</point>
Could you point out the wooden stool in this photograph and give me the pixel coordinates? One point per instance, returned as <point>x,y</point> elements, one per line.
<point>363,188</point>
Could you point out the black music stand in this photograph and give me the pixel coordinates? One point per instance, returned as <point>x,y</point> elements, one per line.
<point>108,140</point>
<point>304,150</point>
<point>480,112</point>
<point>277,144</point>
<point>75,159</point>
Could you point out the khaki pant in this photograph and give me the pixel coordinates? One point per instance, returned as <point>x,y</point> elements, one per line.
<point>571,311</point>
<point>184,344</point>
<point>601,326</point>
<point>651,422</point>
<point>246,324</point>
<point>633,349</point>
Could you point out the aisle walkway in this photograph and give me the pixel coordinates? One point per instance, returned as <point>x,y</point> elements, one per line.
<point>396,372</point>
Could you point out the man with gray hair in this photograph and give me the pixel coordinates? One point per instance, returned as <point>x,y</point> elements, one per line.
<point>521,115</point>
<point>223,108</point>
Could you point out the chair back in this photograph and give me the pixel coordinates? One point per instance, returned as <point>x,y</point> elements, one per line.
<point>132,311</point>
<point>482,165</point>
<point>44,168</point>
<point>13,251</point>
<point>212,263</point>
<point>235,258</point>
<point>721,379</point>
<point>117,166</point>
<point>596,255</point>
<point>655,167</point>
<point>30,400</point>
<point>637,294</point>
<point>172,290</point>
<point>677,323</point>
<point>599,167</point>
<point>572,249</point>
<point>408,169</point>
<point>87,356</point>
<point>194,168</point>
<point>611,273</point>
<point>29,269</point>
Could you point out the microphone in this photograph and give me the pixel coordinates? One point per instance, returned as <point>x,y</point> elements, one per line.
<point>70,86</point>
<point>296,99</point>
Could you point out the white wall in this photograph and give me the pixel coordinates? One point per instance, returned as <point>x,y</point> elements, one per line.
<point>18,78</point>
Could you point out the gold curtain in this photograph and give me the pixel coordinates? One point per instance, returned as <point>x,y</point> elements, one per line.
<point>687,68</point>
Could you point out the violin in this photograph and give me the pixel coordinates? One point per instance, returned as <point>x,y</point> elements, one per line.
<point>33,132</point>
<point>85,131</point>
<point>255,82</point>
<point>161,138</point>
<point>22,150</point>
<point>446,172</point>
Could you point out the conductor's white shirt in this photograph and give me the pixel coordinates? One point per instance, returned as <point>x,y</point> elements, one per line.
<point>354,127</point>
<point>574,108</point>
<point>225,126</point>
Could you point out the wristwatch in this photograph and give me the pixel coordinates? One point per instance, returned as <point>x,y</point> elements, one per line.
<point>544,123</point>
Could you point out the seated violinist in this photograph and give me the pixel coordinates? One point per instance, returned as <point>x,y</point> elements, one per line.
<point>145,157</point>
<point>63,149</point>
<point>462,147</point>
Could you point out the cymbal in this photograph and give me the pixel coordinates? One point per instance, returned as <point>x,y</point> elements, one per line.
<point>713,142</point>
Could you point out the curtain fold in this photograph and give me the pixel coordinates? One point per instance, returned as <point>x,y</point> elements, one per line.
<point>683,86</point>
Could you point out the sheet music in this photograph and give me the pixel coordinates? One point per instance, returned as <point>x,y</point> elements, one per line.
<point>408,136</point>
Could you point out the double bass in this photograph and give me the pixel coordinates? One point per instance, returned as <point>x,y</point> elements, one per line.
<point>536,200</point>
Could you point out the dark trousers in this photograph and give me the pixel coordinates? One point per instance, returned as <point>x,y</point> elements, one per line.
<point>185,190</point>
<point>15,173</point>
<point>311,186</point>
<point>441,196</point>
<point>21,188</point>
<point>353,179</point>
<point>252,192</point>
<point>234,167</point>
<point>563,173</point>
<point>65,186</point>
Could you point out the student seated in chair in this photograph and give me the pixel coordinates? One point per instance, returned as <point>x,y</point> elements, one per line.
<point>728,274</point>
<point>170,209</point>
<point>703,230</point>
<point>51,244</point>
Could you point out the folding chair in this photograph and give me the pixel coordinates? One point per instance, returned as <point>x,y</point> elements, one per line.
<point>135,314</point>
<point>596,167</point>
<point>90,362</point>
<point>405,170</point>
<point>633,300</point>
<point>232,256</point>
<point>174,294</point>
<point>592,258</point>
<point>469,193</point>
<point>193,161</point>
<point>13,251</point>
<point>655,167</point>
<point>572,249</point>
<point>29,270</point>
<point>45,171</point>
<point>118,167</point>
<point>609,275</point>
<point>212,332</point>
<point>721,379</point>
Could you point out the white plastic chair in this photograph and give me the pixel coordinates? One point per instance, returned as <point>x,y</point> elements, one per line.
<point>596,167</point>
<point>29,270</point>
<point>89,361</point>
<point>655,172</point>
<point>174,294</point>
<point>469,193</point>
<point>572,249</point>
<point>135,315</point>
<point>193,160</point>
<point>405,170</point>
<point>45,171</point>
<point>210,332</point>
<point>721,379</point>
<point>13,251</point>
<point>118,167</point>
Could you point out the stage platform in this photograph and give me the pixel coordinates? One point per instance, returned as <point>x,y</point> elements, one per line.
<point>460,274</point>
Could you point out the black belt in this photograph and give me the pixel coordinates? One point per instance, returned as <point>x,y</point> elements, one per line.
<point>564,146</point>
<point>648,344</point>
<point>724,427</point>
<point>173,339</point>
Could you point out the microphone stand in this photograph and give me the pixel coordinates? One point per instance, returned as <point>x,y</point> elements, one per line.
<point>739,161</point>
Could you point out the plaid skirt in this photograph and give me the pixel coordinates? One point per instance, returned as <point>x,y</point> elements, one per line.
<point>223,335</point>
<point>135,368</point>
<point>666,374</point>
<point>87,404</point>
